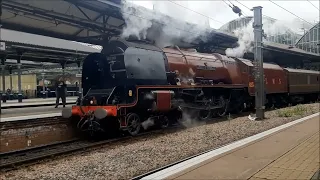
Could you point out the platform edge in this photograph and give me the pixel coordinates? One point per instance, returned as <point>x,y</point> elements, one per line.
<point>196,160</point>
<point>29,117</point>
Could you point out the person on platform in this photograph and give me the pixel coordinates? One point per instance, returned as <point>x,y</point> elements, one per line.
<point>61,93</point>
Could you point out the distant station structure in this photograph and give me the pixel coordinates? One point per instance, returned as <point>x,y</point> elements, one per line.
<point>24,51</point>
<point>307,41</point>
<point>310,41</point>
<point>286,36</point>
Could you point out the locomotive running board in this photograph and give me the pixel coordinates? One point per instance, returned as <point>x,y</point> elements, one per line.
<point>199,108</point>
<point>181,104</point>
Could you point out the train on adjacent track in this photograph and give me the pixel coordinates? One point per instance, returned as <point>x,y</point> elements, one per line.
<point>130,82</point>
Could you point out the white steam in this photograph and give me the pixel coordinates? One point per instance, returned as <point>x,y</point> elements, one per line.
<point>155,25</point>
<point>189,119</point>
<point>134,24</point>
<point>147,123</point>
<point>245,39</point>
<point>246,35</point>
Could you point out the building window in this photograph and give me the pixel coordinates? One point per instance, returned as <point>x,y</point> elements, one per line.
<point>311,35</point>
<point>315,34</point>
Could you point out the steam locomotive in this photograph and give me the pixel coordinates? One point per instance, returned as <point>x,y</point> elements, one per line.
<point>130,82</point>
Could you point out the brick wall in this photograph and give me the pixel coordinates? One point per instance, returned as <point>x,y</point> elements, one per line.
<point>15,139</point>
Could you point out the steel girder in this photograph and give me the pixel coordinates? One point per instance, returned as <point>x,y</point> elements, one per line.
<point>92,24</point>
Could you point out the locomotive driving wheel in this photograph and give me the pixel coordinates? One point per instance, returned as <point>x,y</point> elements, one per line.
<point>205,113</point>
<point>223,110</point>
<point>133,124</point>
<point>93,128</point>
<point>164,122</point>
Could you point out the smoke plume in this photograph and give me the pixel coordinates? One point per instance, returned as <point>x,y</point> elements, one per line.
<point>245,39</point>
<point>271,28</point>
<point>154,25</point>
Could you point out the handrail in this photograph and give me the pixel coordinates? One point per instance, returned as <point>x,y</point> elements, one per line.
<point>111,94</point>
<point>183,55</point>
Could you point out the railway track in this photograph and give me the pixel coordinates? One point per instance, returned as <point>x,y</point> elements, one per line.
<point>29,156</point>
<point>26,157</point>
<point>12,160</point>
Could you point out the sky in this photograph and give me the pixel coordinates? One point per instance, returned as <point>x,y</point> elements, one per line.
<point>219,13</point>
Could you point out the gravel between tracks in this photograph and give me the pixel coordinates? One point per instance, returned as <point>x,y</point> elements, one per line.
<point>128,160</point>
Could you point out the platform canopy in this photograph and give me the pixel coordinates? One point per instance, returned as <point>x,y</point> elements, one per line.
<point>76,20</point>
<point>36,51</point>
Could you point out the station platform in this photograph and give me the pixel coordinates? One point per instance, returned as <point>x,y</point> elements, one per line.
<point>35,102</point>
<point>290,151</point>
<point>17,114</point>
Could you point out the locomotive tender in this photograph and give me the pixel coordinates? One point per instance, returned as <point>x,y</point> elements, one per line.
<point>132,81</point>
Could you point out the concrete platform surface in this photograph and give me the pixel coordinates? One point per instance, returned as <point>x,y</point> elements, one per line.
<point>30,113</point>
<point>301,162</point>
<point>274,157</point>
<point>34,102</point>
<point>273,154</point>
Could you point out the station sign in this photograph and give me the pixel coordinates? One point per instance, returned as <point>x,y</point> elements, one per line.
<point>78,75</point>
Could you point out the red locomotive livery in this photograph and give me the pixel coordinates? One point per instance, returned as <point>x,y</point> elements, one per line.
<point>130,82</point>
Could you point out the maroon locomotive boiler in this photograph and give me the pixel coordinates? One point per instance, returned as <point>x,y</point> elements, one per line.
<point>131,82</point>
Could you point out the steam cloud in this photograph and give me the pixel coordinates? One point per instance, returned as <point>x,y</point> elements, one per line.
<point>245,39</point>
<point>188,119</point>
<point>154,25</point>
<point>246,35</point>
<point>147,123</point>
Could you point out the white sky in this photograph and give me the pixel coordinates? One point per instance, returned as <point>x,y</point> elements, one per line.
<point>219,11</point>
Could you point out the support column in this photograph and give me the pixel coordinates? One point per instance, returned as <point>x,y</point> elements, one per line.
<point>258,63</point>
<point>43,86</point>
<point>63,65</point>
<point>2,45</point>
<point>19,83</point>
<point>80,82</point>
<point>3,72</point>
<point>10,72</point>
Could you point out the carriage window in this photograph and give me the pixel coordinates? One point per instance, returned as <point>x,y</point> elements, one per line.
<point>308,79</point>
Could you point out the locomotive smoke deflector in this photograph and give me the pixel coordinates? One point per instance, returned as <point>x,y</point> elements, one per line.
<point>137,63</point>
